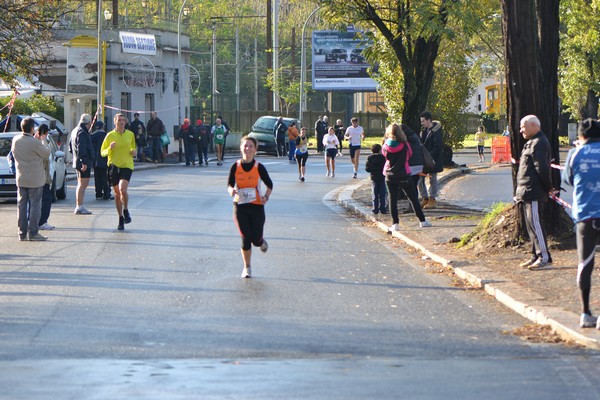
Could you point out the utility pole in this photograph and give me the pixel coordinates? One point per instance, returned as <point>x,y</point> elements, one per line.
<point>269,51</point>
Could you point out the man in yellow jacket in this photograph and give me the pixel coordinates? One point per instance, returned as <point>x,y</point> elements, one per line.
<point>119,147</point>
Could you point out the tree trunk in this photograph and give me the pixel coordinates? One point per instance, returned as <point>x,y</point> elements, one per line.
<point>531,43</point>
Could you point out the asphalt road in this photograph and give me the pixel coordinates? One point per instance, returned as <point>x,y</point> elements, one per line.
<point>335,309</point>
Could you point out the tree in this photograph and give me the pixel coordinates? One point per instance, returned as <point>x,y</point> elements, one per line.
<point>531,42</point>
<point>579,66</point>
<point>413,31</point>
<point>25,35</point>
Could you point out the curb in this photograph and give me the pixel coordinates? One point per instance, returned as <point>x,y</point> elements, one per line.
<point>534,307</point>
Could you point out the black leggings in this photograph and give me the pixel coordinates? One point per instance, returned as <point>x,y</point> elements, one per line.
<point>301,159</point>
<point>408,187</point>
<point>250,220</point>
<point>587,232</point>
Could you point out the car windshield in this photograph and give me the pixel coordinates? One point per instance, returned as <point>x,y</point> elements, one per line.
<point>265,123</point>
<point>5,144</point>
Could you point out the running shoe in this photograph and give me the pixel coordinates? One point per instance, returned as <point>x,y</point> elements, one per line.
<point>395,228</point>
<point>587,321</point>
<point>82,211</point>
<point>425,224</point>
<point>527,263</point>
<point>264,246</point>
<point>126,216</point>
<point>247,272</point>
<point>37,238</point>
<point>46,227</point>
<point>121,225</point>
<point>539,265</point>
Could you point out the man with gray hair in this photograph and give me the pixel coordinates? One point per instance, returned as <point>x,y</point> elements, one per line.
<point>83,160</point>
<point>29,154</point>
<point>533,186</point>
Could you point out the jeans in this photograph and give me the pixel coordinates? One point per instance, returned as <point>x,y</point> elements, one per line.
<point>46,204</point>
<point>29,199</point>
<point>190,151</point>
<point>292,150</point>
<point>140,153</point>
<point>202,152</point>
<point>433,186</point>
<point>379,196</point>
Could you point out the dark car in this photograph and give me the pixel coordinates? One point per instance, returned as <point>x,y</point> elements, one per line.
<point>262,131</point>
<point>356,56</point>
<point>336,55</point>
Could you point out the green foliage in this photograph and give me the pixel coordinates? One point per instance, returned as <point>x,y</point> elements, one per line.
<point>36,103</point>
<point>579,65</point>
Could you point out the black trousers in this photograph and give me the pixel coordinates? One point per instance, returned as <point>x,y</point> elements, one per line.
<point>587,232</point>
<point>408,188</point>
<point>533,211</point>
<point>101,183</point>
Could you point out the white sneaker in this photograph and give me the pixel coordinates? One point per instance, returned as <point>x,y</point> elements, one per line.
<point>82,211</point>
<point>46,227</point>
<point>328,174</point>
<point>587,321</point>
<point>395,227</point>
<point>333,174</point>
<point>425,224</point>
<point>247,272</point>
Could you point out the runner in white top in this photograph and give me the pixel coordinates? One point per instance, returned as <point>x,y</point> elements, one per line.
<point>355,134</point>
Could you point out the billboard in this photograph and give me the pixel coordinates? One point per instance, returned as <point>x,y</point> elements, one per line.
<point>82,70</point>
<point>338,63</point>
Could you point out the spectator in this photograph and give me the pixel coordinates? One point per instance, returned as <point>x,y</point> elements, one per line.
<point>432,139</point>
<point>42,136</point>
<point>190,141</point>
<point>533,186</point>
<point>397,152</point>
<point>320,131</point>
<point>292,135</point>
<point>83,160</point>
<point>582,171</point>
<point>29,155</point>
<point>100,166</point>
<point>227,130</point>
<point>375,164</point>
<point>218,132</point>
<point>201,132</point>
<point>141,140</point>
<point>155,129</point>
<point>280,131</point>
<point>415,161</point>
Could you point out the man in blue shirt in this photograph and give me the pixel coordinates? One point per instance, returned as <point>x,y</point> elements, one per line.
<point>582,171</point>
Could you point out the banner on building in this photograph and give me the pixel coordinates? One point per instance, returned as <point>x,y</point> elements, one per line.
<point>82,70</point>
<point>138,43</point>
<point>338,62</point>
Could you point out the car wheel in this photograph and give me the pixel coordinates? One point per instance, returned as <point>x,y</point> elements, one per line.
<point>61,193</point>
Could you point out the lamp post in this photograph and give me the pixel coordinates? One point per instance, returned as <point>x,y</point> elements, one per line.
<point>302,105</point>
<point>180,80</point>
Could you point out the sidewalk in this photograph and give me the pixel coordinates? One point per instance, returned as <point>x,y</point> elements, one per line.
<point>548,297</point>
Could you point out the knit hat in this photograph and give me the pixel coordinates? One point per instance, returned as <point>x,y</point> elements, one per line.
<point>589,127</point>
<point>199,122</point>
<point>186,121</point>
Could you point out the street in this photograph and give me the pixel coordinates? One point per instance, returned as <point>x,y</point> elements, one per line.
<point>335,308</point>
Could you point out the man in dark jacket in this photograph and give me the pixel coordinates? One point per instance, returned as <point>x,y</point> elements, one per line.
<point>203,135</point>
<point>83,160</point>
<point>320,131</point>
<point>100,164</point>
<point>280,133</point>
<point>374,166</point>
<point>432,139</point>
<point>533,186</point>
<point>155,128</point>
<point>415,162</point>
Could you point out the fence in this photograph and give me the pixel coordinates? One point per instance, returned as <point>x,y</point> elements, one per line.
<point>241,121</point>
<point>501,149</point>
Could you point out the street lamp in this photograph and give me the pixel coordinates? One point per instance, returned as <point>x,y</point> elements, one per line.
<point>107,15</point>
<point>303,66</point>
<point>180,80</point>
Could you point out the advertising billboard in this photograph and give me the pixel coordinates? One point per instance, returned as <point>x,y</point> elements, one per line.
<point>338,63</point>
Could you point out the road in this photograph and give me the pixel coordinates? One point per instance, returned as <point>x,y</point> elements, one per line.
<point>336,309</point>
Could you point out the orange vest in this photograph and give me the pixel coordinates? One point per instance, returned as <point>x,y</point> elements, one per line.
<point>247,180</point>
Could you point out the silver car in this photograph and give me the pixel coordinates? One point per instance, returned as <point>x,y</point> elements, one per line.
<point>58,169</point>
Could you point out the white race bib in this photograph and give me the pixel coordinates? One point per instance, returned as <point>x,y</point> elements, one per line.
<point>246,195</point>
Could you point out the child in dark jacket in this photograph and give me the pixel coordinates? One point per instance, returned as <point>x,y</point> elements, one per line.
<point>374,166</point>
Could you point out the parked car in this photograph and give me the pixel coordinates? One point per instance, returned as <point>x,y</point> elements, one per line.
<point>262,131</point>
<point>58,169</point>
<point>356,56</point>
<point>336,55</point>
<point>57,129</point>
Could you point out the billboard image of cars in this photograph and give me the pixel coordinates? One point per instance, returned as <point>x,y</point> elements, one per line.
<point>338,62</point>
